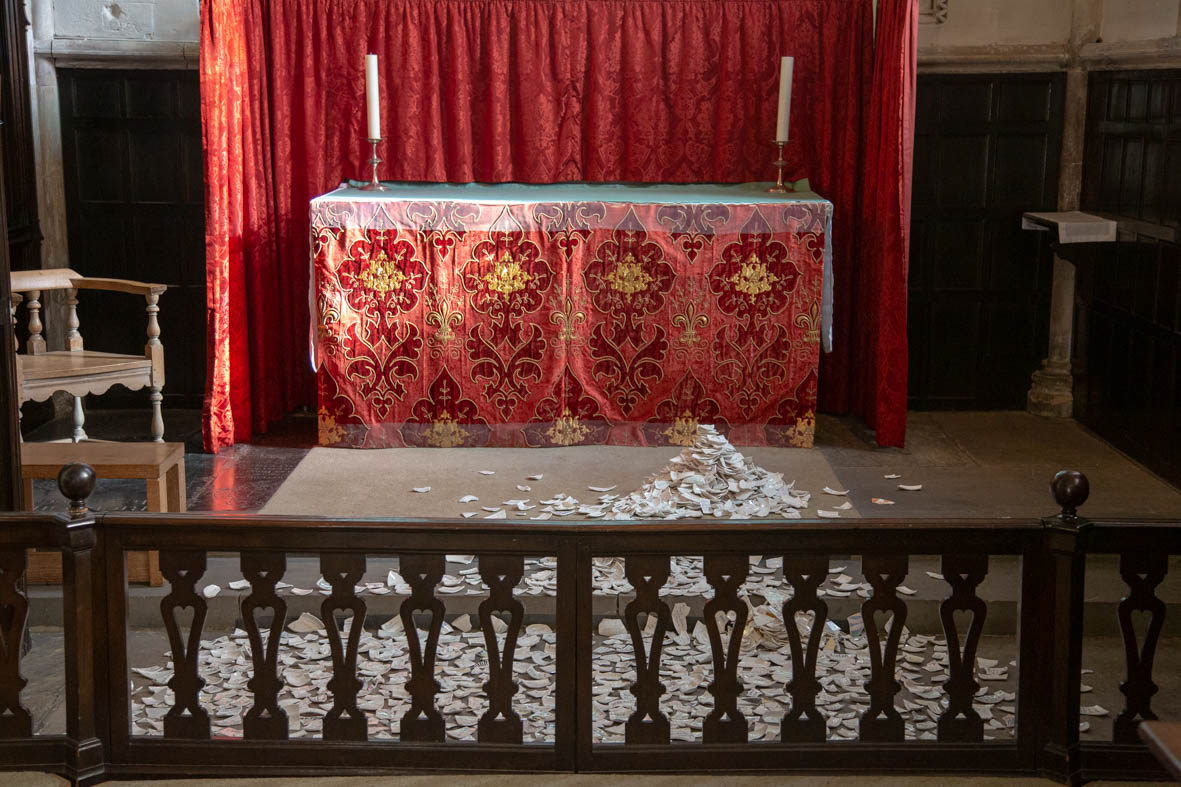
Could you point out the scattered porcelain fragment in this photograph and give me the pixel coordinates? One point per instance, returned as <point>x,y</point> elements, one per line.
<point>468,499</point>
<point>828,490</point>
<point>892,476</point>
<point>422,489</point>
<point>470,514</point>
<point>1093,710</point>
<point>910,487</point>
<point>487,472</point>
<point>305,623</point>
<point>845,506</point>
<point>828,514</point>
<point>209,591</point>
<point>602,488</point>
<point>301,591</point>
<point>497,514</point>
<point>534,477</point>
<point>881,501</point>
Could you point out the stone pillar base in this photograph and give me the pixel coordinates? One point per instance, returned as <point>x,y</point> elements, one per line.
<point>1052,393</point>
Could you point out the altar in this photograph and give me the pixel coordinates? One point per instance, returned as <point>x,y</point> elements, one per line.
<point>568,314</point>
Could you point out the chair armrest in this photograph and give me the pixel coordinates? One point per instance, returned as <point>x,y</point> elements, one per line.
<point>118,285</point>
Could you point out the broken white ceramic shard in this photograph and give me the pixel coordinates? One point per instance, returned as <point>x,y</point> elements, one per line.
<point>487,472</point>
<point>612,627</point>
<point>534,477</point>
<point>828,514</point>
<point>1093,710</point>
<point>497,514</point>
<point>910,487</point>
<point>422,489</point>
<point>828,490</point>
<point>305,624</point>
<point>301,591</point>
<point>602,488</point>
<point>209,591</point>
<point>470,514</point>
<point>240,584</point>
<point>881,501</point>
<point>892,475</point>
<point>462,623</point>
<point>524,487</point>
<point>935,575</point>
<point>468,499</point>
<point>465,559</point>
<point>845,506</point>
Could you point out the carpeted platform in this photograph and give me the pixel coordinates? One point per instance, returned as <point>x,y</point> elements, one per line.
<point>362,483</point>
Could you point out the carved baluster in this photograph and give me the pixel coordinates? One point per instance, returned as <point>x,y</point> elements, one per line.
<point>73,337</point>
<point>804,722</point>
<point>500,723</point>
<point>726,573</point>
<point>647,574</point>
<point>265,719</point>
<point>36,343</point>
<point>186,718</point>
<point>155,351</point>
<point>882,723</point>
<point>961,723</point>
<point>422,722</point>
<point>345,722</point>
<point>1143,572</point>
<point>15,719</point>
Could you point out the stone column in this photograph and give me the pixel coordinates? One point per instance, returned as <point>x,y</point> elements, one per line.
<point>1052,392</point>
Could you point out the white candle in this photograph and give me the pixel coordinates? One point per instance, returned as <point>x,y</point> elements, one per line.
<point>371,98</point>
<point>786,64</point>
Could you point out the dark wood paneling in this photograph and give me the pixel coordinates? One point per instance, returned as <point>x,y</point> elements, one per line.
<point>131,145</point>
<point>20,177</point>
<point>10,469</point>
<point>986,149</point>
<point>1128,350</point>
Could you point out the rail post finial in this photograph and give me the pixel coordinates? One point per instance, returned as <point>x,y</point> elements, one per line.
<point>76,481</point>
<point>1070,489</point>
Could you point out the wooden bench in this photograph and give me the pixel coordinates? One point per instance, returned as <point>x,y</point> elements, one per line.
<point>161,465</point>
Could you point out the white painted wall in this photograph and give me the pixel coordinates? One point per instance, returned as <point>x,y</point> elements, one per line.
<point>129,20</point>
<point>1139,20</point>
<point>978,23</point>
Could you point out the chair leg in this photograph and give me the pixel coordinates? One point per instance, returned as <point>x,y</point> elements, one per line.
<point>157,418</point>
<point>79,420</point>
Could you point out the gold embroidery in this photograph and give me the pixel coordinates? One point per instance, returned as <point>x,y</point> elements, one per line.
<point>683,431</point>
<point>381,275</point>
<point>810,322</point>
<point>803,433</point>
<point>330,431</point>
<point>567,317</point>
<point>445,433</point>
<point>628,276</point>
<point>567,430</point>
<point>507,276</point>
<point>445,314</point>
<point>754,278</point>
<point>689,320</point>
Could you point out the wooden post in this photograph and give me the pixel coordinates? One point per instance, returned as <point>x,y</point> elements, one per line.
<point>1062,644</point>
<point>10,457</point>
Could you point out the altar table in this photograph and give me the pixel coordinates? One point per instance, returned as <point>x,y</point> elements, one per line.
<point>568,314</point>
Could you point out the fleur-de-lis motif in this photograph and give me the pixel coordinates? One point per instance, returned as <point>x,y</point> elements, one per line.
<point>567,317</point>
<point>443,313</point>
<point>690,320</point>
<point>810,322</point>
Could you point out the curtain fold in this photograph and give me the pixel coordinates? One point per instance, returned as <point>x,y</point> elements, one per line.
<point>534,91</point>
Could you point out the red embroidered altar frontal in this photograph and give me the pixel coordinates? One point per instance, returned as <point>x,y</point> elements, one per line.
<point>568,314</point>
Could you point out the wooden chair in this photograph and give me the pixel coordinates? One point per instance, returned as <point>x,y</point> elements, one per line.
<point>40,373</point>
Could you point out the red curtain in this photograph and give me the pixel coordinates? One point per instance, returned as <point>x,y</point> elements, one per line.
<point>535,91</point>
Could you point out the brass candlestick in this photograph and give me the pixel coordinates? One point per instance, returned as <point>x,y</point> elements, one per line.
<point>780,187</point>
<point>374,183</point>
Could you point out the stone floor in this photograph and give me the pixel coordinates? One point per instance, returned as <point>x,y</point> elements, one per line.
<point>976,464</point>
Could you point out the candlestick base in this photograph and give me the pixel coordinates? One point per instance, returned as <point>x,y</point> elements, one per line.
<point>374,184</point>
<point>780,187</point>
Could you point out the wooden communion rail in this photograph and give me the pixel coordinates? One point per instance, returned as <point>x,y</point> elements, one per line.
<point>98,742</point>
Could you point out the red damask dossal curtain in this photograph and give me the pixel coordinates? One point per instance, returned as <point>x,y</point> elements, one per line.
<point>543,91</point>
